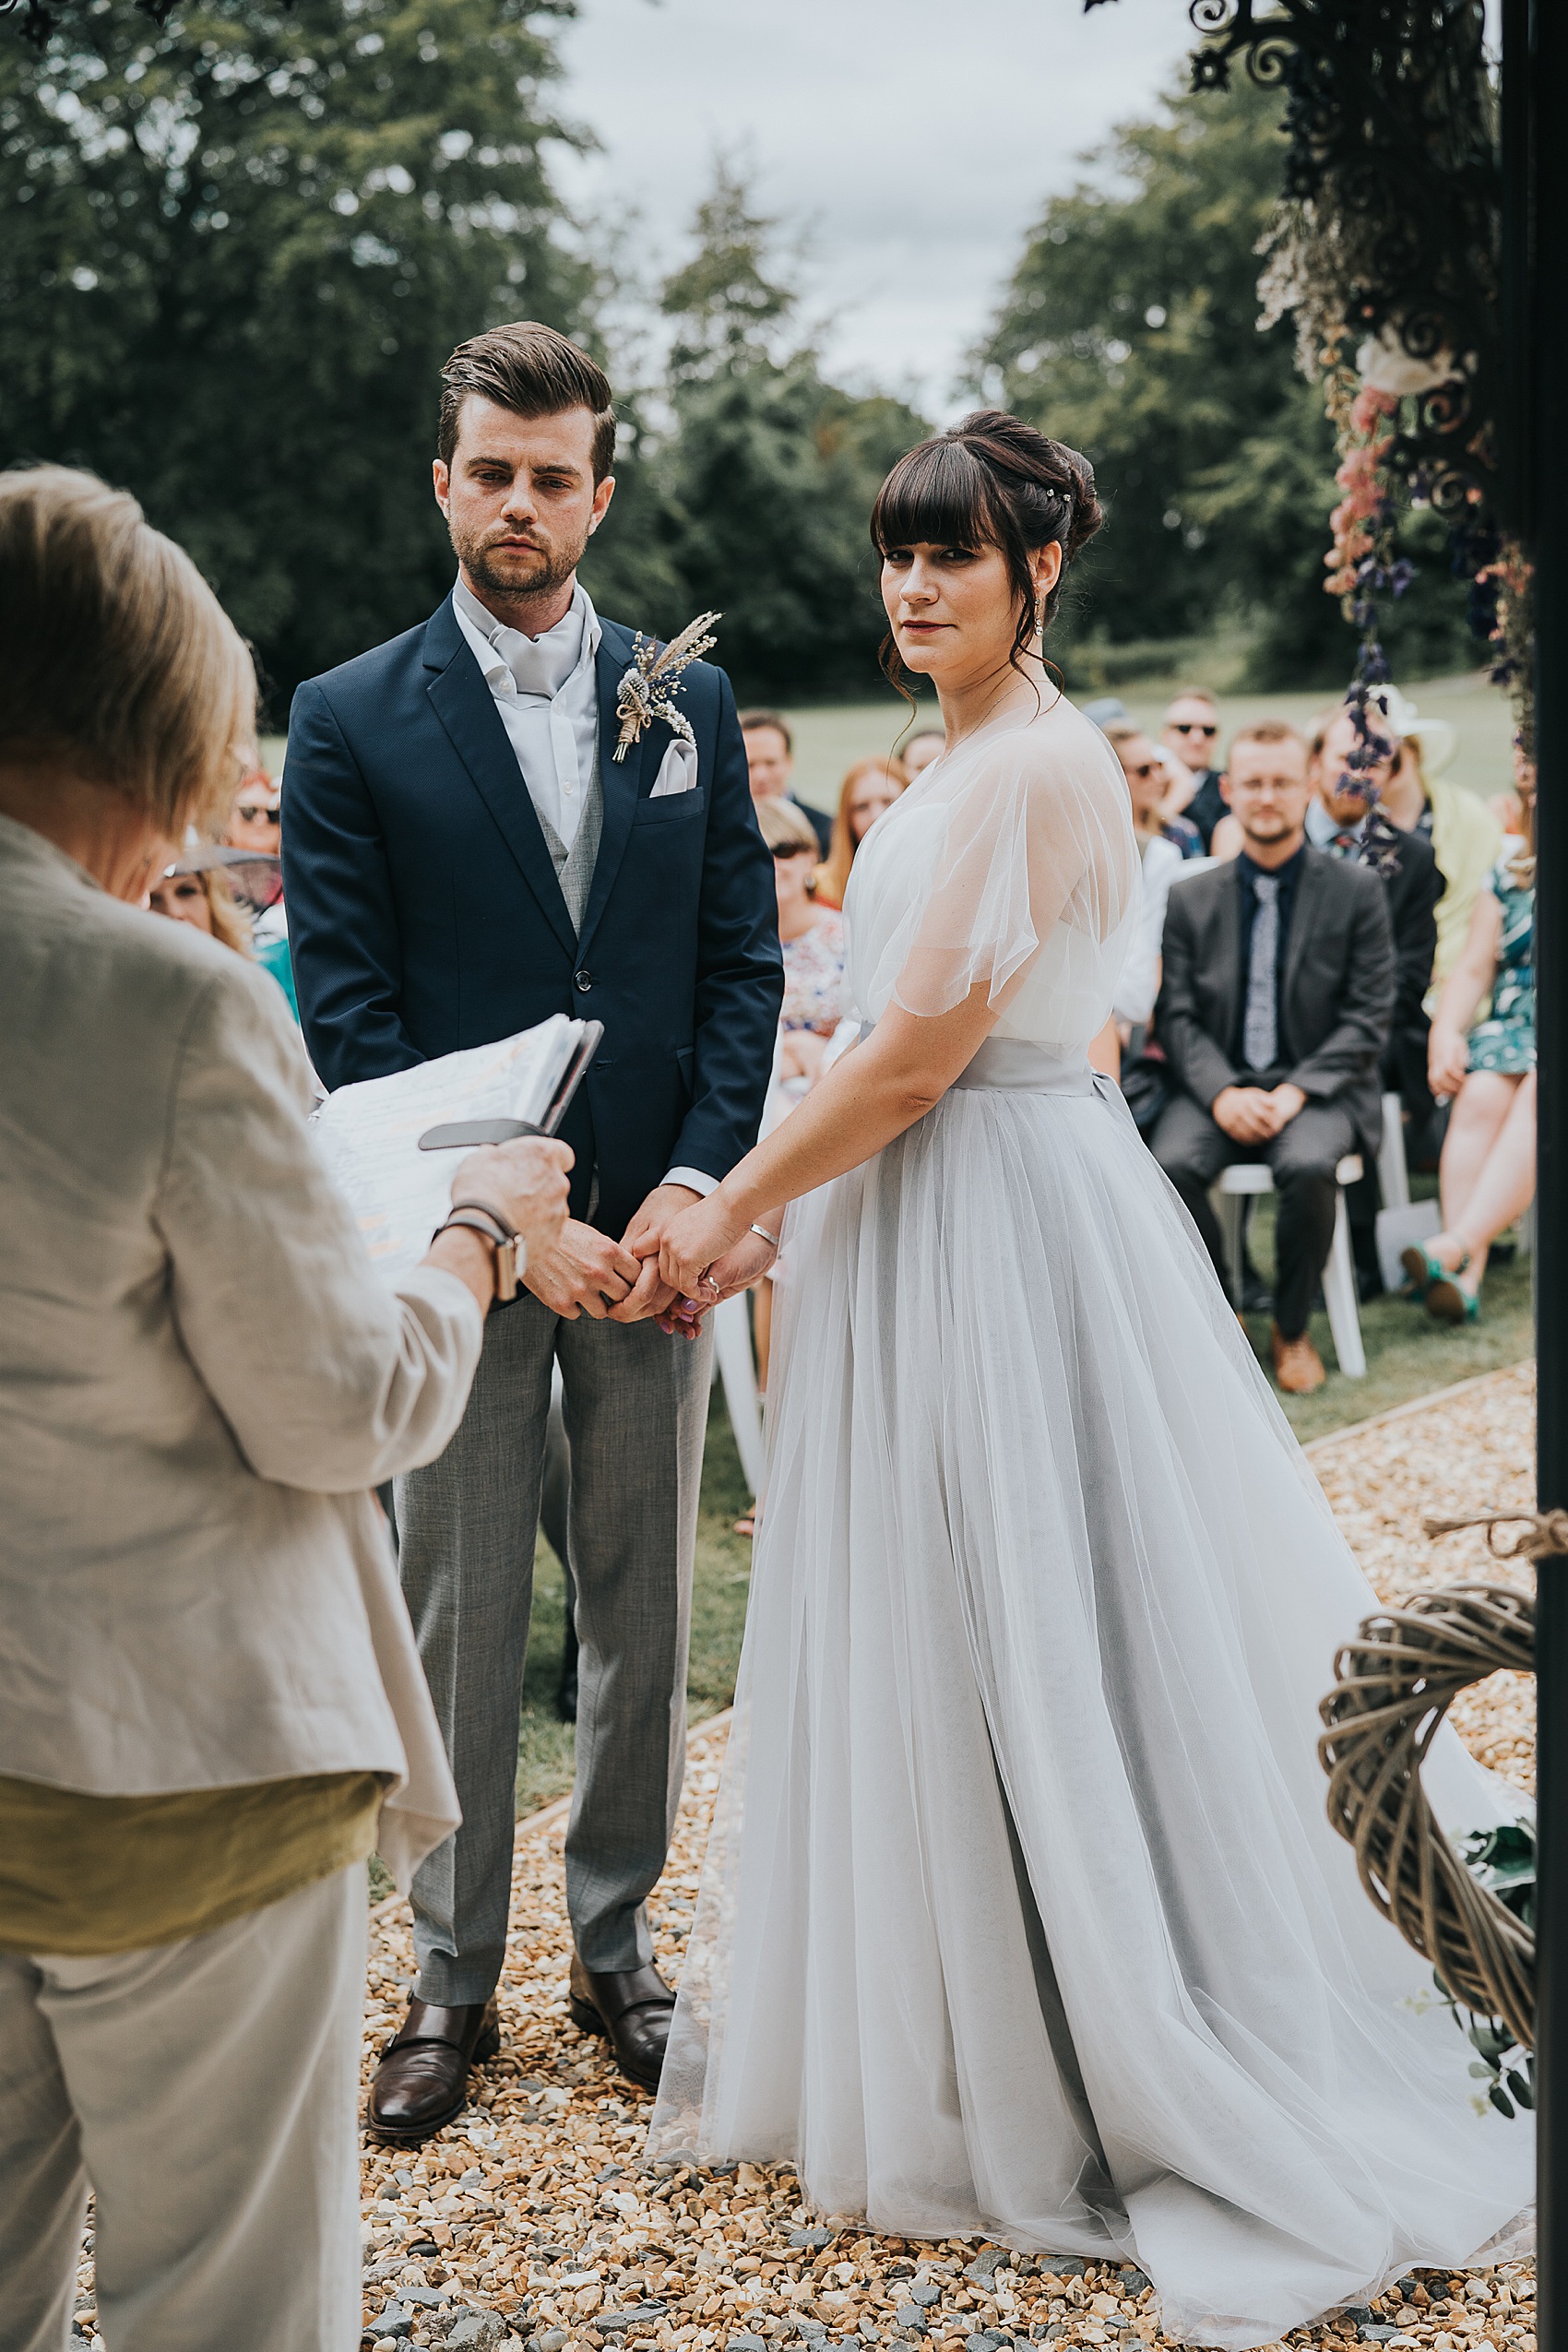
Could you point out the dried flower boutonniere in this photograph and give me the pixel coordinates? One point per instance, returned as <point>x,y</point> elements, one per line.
<point>644,693</point>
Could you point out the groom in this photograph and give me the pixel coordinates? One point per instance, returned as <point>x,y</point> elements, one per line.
<point>463,856</point>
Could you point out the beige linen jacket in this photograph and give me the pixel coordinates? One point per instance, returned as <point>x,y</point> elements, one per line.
<point>201,1378</point>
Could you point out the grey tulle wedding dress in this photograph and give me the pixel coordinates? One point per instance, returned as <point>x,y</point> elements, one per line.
<point>1021,1914</point>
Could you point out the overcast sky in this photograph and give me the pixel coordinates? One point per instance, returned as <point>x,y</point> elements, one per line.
<point>913,140</point>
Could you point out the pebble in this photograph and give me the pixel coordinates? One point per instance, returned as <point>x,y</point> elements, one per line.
<point>476,2331</point>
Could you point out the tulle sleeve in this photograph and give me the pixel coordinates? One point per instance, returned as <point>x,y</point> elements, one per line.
<point>1031,870</point>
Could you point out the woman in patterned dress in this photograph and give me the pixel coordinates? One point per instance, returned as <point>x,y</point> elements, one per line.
<point>812,938</point>
<point>1487,1170</point>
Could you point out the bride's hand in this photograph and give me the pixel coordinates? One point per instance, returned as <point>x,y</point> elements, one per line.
<point>694,1239</point>
<point>736,1271</point>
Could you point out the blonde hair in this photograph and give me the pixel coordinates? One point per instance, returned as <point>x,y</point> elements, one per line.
<point>230,926</point>
<point>833,874</point>
<point>119,658</point>
<point>784,824</point>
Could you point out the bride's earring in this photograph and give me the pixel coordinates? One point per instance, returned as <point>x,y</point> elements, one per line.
<point>1040,603</point>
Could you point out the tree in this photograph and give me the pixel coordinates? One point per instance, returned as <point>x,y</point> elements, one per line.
<point>1130,328</point>
<point>238,250</point>
<point>768,470</point>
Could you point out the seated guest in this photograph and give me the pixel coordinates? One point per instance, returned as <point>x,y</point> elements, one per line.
<point>1155,783</point>
<point>255,824</point>
<point>1337,824</point>
<point>871,786</point>
<point>770,756</point>
<point>1191,730</point>
<point>192,891</point>
<point>1162,857</point>
<point>811,940</point>
<point>811,937</point>
<point>1275,1005</point>
<point>211,1707</point>
<point>1487,1170</point>
<point>920,748</point>
<point>1465,836</point>
<point>195,890</point>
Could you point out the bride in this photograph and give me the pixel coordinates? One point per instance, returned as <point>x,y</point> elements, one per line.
<point>1021,1915</point>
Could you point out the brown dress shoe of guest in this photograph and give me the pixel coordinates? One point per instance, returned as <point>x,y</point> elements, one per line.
<point>421,2083</point>
<point>1298,1367</point>
<point>632,2007</point>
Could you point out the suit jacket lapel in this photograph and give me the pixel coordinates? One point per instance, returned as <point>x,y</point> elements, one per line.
<point>1228,954</point>
<point>620,780</point>
<point>467,711</point>
<point>1303,914</point>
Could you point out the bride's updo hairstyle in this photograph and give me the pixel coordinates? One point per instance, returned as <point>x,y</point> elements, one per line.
<point>991,481</point>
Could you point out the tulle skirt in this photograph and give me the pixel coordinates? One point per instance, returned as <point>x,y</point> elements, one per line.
<point>1022,1916</point>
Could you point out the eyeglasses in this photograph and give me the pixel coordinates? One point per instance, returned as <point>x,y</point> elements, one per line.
<point>254,812</point>
<point>1194,727</point>
<point>1150,767</point>
<point>782,850</point>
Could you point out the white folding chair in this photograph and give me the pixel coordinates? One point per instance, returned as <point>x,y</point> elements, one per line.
<point>1393,1176</point>
<point>1247,1179</point>
<point>734,1364</point>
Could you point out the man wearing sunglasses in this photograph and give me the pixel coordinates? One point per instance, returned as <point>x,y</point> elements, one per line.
<point>1191,729</point>
<point>255,820</point>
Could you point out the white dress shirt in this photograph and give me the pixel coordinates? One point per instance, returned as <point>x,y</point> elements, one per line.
<point>546,689</point>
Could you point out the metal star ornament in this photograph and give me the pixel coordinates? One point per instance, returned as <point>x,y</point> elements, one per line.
<point>644,693</point>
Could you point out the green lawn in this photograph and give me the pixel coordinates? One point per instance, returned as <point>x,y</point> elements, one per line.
<point>1408,1353</point>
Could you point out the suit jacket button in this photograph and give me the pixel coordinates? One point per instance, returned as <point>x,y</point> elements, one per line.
<point>582,981</point>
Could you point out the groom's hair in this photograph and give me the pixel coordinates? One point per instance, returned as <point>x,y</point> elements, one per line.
<point>535,373</point>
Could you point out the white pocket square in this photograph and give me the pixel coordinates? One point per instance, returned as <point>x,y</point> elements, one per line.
<point>677,772</point>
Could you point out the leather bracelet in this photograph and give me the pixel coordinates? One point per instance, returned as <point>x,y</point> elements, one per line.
<point>510,1252</point>
<point>762,1235</point>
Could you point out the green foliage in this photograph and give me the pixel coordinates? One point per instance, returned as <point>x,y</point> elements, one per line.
<point>1503,1859</point>
<point>754,501</point>
<point>238,251</point>
<point>1130,329</point>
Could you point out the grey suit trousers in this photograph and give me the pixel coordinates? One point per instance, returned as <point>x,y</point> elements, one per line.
<point>636,1406</point>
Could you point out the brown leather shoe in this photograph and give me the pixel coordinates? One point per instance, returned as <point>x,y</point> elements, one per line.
<point>1298,1367</point>
<point>421,2083</point>
<point>632,2007</point>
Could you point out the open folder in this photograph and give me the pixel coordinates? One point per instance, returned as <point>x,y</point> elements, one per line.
<point>369,1134</point>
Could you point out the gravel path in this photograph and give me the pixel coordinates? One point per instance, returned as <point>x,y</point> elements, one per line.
<point>530,2221</point>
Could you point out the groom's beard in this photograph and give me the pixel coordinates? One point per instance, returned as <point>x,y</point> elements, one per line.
<point>536,571</point>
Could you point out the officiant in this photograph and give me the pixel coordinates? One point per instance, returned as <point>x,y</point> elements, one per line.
<point>483,825</point>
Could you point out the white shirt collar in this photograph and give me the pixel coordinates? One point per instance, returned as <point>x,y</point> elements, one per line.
<point>514,662</point>
<point>1322,827</point>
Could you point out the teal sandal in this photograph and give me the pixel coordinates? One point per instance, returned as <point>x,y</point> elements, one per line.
<point>1448,1302</point>
<point>1421,1271</point>
<point>1446,1299</point>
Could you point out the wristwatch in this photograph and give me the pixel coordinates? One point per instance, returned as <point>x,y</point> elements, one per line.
<point>511,1251</point>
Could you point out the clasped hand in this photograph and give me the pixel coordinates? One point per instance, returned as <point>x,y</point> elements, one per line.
<point>1256,1114</point>
<point>588,1273</point>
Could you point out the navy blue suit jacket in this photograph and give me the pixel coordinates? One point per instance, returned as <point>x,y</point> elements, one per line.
<point>424,914</point>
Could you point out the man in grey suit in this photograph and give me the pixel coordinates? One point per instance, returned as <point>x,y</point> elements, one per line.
<point>472,841</point>
<point>1275,1004</point>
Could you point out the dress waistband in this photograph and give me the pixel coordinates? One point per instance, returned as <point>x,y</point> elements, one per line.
<point>1016,1065</point>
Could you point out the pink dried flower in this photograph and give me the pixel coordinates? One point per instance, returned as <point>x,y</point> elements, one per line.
<point>1368,405</point>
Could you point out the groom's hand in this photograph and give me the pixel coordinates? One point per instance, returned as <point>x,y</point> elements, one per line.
<point>651,1294</point>
<point>585,1273</point>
